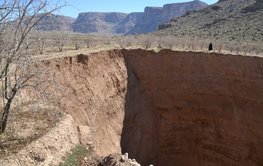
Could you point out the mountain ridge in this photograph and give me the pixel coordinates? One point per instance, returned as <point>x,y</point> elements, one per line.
<point>53,22</point>
<point>121,23</point>
<point>117,22</point>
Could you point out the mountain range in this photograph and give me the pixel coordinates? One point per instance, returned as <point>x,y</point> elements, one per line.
<point>120,23</point>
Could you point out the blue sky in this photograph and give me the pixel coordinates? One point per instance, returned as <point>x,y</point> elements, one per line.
<point>126,6</point>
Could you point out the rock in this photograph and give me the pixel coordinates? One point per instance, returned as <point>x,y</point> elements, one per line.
<point>84,135</point>
<point>134,163</point>
<point>124,157</point>
<point>111,160</point>
<point>89,143</point>
<point>120,160</point>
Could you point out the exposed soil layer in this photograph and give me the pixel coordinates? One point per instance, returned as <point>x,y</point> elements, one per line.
<point>168,108</point>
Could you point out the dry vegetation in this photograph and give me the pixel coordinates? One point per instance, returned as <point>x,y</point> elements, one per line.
<point>26,124</point>
<point>56,42</point>
<point>25,111</point>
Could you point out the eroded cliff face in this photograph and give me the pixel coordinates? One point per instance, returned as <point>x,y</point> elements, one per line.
<point>207,108</point>
<point>92,89</point>
<point>168,108</point>
<point>98,22</point>
<point>155,16</point>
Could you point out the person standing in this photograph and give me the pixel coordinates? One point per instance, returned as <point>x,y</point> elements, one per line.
<point>210,47</point>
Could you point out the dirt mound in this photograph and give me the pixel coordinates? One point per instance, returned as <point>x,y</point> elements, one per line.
<point>167,108</point>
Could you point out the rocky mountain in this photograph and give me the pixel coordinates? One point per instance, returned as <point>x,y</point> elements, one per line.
<point>54,22</point>
<point>227,20</point>
<point>129,22</point>
<point>133,23</point>
<point>154,16</point>
<point>97,22</point>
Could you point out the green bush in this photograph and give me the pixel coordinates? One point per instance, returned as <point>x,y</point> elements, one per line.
<point>74,158</point>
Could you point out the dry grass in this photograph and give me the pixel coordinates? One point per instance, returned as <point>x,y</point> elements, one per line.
<point>27,122</point>
<point>177,45</point>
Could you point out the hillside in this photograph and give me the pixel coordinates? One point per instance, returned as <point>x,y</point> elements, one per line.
<point>227,20</point>
<point>133,23</point>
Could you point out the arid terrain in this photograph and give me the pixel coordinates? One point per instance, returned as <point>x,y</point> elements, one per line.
<point>189,94</point>
<point>165,108</point>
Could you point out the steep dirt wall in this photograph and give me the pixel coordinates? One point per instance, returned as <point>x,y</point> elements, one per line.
<point>167,108</point>
<point>93,91</point>
<point>207,108</point>
<point>140,125</point>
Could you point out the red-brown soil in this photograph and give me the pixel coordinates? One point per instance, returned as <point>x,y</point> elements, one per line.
<point>167,108</point>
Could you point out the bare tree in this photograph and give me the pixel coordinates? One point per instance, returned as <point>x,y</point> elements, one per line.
<point>17,19</point>
<point>229,46</point>
<point>60,44</point>
<point>28,42</point>
<point>88,42</point>
<point>220,47</point>
<point>40,40</point>
<point>60,40</point>
<point>202,44</point>
<point>107,41</point>
<point>169,42</point>
<point>237,49</point>
<point>257,48</point>
<point>122,42</point>
<point>146,42</point>
<point>183,42</point>
<point>125,41</point>
<point>193,44</point>
<point>76,40</point>
<point>245,48</point>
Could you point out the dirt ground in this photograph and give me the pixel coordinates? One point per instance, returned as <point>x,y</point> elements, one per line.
<point>27,122</point>
<point>49,148</point>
